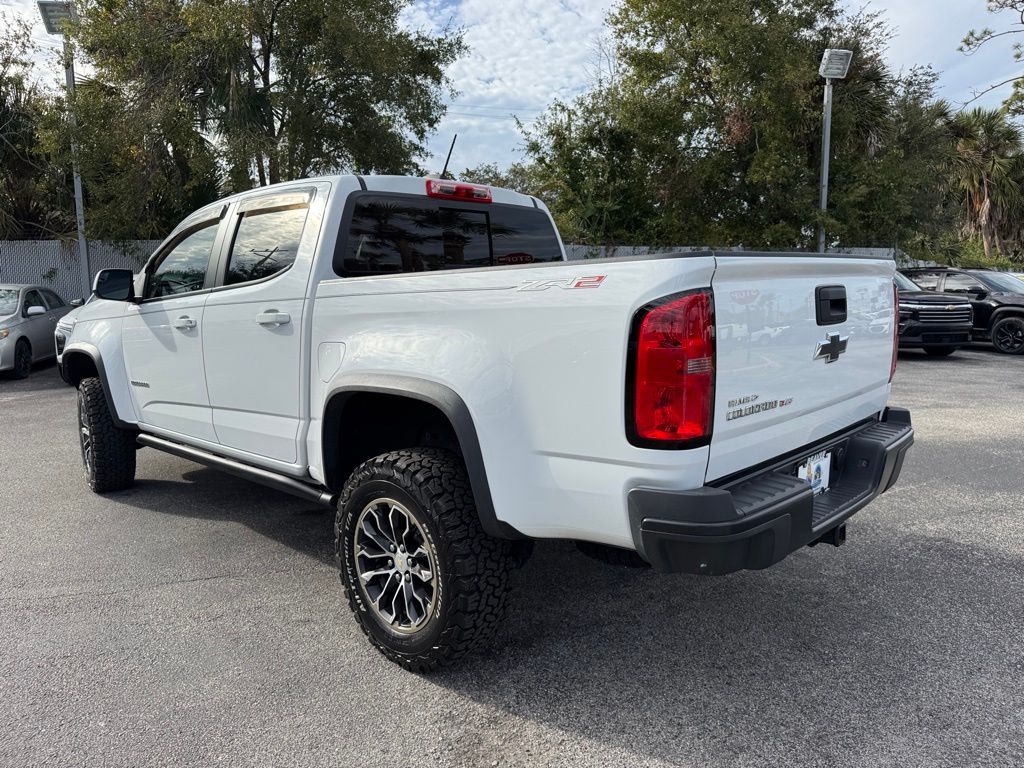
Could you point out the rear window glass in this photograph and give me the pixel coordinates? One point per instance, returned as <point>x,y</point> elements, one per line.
<point>391,234</point>
<point>927,280</point>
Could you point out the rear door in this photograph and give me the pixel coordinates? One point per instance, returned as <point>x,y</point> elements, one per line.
<point>254,320</point>
<point>789,374</point>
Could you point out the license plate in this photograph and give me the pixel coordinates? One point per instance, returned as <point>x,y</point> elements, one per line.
<point>815,470</point>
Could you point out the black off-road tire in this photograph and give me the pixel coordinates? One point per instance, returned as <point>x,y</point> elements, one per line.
<point>109,462</point>
<point>472,567</point>
<point>940,351</point>
<point>22,360</point>
<point>612,555</point>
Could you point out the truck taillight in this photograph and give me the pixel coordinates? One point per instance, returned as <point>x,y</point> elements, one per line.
<point>454,190</point>
<point>671,374</point>
<point>895,329</point>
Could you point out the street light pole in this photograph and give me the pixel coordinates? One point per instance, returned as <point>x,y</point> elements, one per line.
<point>826,144</point>
<point>54,12</point>
<point>835,63</point>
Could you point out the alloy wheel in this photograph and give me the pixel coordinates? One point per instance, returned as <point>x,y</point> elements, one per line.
<point>1009,336</point>
<point>395,565</point>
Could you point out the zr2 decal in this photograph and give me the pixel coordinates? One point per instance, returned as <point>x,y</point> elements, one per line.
<point>593,281</point>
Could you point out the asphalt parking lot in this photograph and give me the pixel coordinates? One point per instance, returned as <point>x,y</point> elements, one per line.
<point>197,620</point>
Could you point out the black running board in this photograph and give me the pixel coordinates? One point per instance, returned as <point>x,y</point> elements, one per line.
<point>314,493</point>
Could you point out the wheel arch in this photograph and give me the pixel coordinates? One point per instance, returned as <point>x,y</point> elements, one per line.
<point>423,397</point>
<point>1000,313</point>
<point>80,361</point>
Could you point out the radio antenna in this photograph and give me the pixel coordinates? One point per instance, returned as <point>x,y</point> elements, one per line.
<point>444,173</point>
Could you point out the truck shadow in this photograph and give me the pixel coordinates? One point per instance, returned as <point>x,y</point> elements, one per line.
<point>898,645</point>
<point>858,653</point>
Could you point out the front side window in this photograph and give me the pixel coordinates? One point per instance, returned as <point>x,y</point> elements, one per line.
<point>958,283</point>
<point>183,268</point>
<point>266,243</point>
<point>395,234</point>
<point>33,299</point>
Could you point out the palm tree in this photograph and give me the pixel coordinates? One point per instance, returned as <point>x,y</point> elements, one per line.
<point>986,165</point>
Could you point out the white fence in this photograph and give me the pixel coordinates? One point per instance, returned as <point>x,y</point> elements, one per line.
<point>54,263</point>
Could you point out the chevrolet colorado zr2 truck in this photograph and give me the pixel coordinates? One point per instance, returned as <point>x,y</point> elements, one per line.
<point>419,354</point>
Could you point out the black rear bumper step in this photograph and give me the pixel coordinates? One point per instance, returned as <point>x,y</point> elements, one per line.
<point>313,493</point>
<point>756,521</point>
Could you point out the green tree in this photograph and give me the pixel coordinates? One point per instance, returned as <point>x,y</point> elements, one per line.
<point>287,89</point>
<point>986,177</point>
<point>30,190</point>
<point>707,131</point>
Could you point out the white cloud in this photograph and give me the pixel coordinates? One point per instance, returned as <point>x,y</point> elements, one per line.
<point>523,55</point>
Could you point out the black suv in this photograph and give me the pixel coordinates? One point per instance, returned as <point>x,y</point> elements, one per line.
<point>996,297</point>
<point>938,323</point>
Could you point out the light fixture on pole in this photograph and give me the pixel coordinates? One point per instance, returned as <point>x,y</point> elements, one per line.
<point>835,63</point>
<point>55,13</point>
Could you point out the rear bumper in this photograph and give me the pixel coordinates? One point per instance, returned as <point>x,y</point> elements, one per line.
<point>754,521</point>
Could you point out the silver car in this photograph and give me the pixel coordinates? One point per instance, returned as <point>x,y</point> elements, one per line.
<point>28,316</point>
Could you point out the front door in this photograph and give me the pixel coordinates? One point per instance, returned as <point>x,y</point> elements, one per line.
<point>162,336</point>
<point>253,327</point>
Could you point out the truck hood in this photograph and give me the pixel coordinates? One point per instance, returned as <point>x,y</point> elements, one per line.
<point>931,297</point>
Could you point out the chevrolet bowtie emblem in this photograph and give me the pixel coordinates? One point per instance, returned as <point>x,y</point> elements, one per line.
<point>831,348</point>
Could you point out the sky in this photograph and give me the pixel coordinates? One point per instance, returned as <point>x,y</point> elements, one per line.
<point>526,53</point>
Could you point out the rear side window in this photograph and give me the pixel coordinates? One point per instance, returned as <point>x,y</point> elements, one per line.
<point>927,280</point>
<point>266,241</point>
<point>392,234</point>
<point>52,299</point>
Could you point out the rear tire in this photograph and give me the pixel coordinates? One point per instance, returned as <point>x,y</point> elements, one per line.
<point>940,351</point>
<point>424,581</point>
<point>1008,335</point>
<point>22,360</point>
<point>108,452</point>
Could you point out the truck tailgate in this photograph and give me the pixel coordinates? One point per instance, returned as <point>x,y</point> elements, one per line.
<point>789,375</point>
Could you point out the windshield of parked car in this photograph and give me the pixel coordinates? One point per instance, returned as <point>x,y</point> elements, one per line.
<point>1001,281</point>
<point>904,283</point>
<point>9,301</point>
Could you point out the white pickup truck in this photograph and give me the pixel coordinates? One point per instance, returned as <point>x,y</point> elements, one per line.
<point>419,354</point>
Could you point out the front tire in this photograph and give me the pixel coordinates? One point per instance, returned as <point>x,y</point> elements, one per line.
<point>108,453</point>
<point>22,360</point>
<point>1008,335</point>
<point>940,351</point>
<point>426,584</point>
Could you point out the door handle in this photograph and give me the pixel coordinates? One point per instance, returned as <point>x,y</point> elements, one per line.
<point>184,323</point>
<point>273,317</point>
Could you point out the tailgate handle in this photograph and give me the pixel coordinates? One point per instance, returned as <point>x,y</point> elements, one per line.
<point>830,301</point>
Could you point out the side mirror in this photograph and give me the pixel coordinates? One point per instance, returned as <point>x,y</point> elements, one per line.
<point>114,285</point>
<point>76,302</point>
<point>35,311</point>
<point>977,292</point>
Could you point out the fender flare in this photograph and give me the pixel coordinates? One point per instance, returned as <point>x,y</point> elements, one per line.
<point>445,400</point>
<point>90,351</point>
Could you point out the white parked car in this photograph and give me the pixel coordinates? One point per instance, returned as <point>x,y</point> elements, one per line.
<point>419,354</point>
<point>28,316</point>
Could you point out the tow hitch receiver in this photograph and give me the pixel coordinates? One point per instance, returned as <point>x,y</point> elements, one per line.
<point>836,537</point>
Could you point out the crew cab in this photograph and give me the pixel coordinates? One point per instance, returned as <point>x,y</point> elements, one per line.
<point>997,301</point>
<point>418,354</point>
<point>938,323</point>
